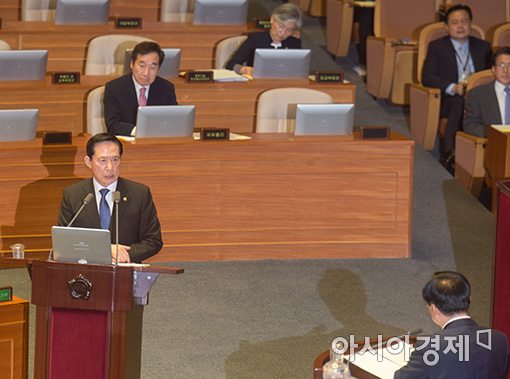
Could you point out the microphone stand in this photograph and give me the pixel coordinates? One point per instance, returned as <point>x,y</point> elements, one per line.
<point>116,199</point>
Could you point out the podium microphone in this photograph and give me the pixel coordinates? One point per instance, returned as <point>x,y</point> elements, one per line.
<point>411,333</point>
<point>116,199</point>
<point>86,200</point>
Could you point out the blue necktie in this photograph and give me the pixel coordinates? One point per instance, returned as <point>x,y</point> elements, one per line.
<point>507,106</point>
<point>104,210</point>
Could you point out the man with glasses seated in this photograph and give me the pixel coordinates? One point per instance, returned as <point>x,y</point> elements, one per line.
<point>449,62</point>
<point>489,104</point>
<point>285,21</point>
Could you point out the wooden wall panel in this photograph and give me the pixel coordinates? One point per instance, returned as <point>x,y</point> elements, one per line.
<point>273,197</point>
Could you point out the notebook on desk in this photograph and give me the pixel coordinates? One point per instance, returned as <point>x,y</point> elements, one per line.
<point>81,245</point>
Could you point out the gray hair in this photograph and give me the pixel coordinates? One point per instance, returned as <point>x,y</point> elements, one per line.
<point>288,12</point>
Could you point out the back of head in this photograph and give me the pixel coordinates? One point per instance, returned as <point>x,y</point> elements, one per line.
<point>147,47</point>
<point>449,291</point>
<point>288,12</point>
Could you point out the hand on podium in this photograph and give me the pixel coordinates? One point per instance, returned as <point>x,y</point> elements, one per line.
<point>123,253</point>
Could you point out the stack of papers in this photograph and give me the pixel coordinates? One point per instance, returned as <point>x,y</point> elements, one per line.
<point>222,75</point>
<point>502,128</point>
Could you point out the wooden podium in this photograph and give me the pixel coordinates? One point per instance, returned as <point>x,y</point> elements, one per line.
<point>89,318</point>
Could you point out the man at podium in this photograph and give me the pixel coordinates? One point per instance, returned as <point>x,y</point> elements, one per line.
<point>139,227</point>
<point>462,349</point>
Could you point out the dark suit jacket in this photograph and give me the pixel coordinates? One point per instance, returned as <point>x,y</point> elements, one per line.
<point>440,66</point>
<point>481,109</point>
<point>121,103</point>
<point>258,40</point>
<point>138,221</point>
<point>482,363</point>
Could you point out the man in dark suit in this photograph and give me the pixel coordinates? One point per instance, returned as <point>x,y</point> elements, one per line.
<point>142,87</point>
<point>463,349</point>
<point>449,62</point>
<point>285,21</point>
<point>485,104</point>
<point>139,228</point>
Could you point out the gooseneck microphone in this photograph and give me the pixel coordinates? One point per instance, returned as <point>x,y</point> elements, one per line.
<point>116,199</point>
<point>87,199</point>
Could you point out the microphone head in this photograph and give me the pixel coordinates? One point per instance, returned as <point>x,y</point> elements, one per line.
<point>116,196</point>
<point>88,198</point>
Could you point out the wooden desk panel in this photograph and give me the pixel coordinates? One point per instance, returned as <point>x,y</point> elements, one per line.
<point>234,105</point>
<point>273,197</point>
<point>497,157</point>
<point>67,44</point>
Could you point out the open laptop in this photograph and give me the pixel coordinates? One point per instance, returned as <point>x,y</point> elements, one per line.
<point>84,12</point>
<point>18,124</point>
<point>81,245</point>
<point>233,12</point>
<point>324,119</point>
<point>165,121</point>
<point>281,63</point>
<point>23,64</point>
<point>169,68</point>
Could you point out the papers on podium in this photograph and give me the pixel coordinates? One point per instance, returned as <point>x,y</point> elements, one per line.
<point>382,362</point>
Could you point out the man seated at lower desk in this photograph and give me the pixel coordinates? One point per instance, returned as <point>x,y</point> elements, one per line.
<point>489,104</point>
<point>458,352</point>
<point>141,87</point>
<point>139,228</point>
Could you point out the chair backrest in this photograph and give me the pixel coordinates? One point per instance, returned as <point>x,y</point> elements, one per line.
<point>501,36</point>
<point>95,112</point>
<point>106,54</point>
<point>432,32</point>
<point>38,10</point>
<point>479,78</point>
<point>276,110</point>
<point>177,10</point>
<point>390,20</point>
<point>4,45</point>
<point>225,49</point>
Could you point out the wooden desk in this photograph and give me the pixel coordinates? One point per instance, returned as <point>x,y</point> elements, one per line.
<point>272,197</point>
<point>147,9</point>
<point>14,338</point>
<point>234,105</point>
<point>67,44</point>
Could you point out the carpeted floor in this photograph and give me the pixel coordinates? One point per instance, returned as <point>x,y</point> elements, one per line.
<point>269,319</point>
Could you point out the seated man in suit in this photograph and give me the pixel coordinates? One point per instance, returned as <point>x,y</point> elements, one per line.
<point>285,21</point>
<point>487,104</point>
<point>458,351</point>
<point>143,86</point>
<point>449,62</point>
<point>139,228</point>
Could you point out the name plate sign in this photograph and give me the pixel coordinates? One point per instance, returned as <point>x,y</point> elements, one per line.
<point>199,77</point>
<point>329,77</point>
<point>128,23</point>
<point>214,134</point>
<point>262,23</point>
<point>65,78</point>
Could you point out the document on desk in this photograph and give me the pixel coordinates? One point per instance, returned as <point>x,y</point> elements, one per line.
<point>384,362</point>
<point>223,75</point>
<point>502,128</point>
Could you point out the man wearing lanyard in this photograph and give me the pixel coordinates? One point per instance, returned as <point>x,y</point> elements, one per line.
<point>449,62</point>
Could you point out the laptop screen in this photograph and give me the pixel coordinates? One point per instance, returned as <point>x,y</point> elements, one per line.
<point>165,121</point>
<point>324,119</point>
<point>18,124</point>
<point>281,63</point>
<point>81,245</point>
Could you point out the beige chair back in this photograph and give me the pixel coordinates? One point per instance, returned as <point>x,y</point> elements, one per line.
<point>225,49</point>
<point>38,10</point>
<point>276,110</point>
<point>501,36</point>
<point>106,54</point>
<point>177,10</point>
<point>95,112</point>
<point>4,45</point>
<point>479,78</point>
<point>432,32</point>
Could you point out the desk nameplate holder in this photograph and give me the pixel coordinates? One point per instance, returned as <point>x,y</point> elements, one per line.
<point>128,23</point>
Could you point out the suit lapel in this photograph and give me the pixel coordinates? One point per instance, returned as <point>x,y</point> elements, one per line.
<point>123,203</point>
<point>494,105</point>
<point>452,56</point>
